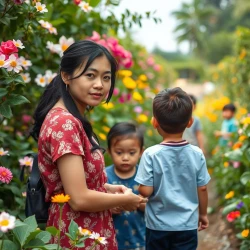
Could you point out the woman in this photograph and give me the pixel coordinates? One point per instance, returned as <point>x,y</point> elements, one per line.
<point>70,159</point>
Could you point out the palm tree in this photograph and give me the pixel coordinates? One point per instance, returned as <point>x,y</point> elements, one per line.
<point>191,24</point>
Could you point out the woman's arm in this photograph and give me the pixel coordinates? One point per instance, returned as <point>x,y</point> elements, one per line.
<point>83,199</point>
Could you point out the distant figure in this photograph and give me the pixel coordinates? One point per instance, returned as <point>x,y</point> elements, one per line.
<point>229,124</point>
<point>194,134</point>
<point>125,146</point>
<point>173,174</point>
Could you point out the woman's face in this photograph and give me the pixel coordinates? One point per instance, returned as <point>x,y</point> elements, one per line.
<point>93,86</point>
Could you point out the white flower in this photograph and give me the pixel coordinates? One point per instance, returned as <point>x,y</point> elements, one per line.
<point>25,63</point>
<point>2,61</point>
<point>45,24</point>
<point>94,236</point>
<point>26,77</point>
<point>54,48</point>
<point>85,6</point>
<point>41,80</point>
<point>2,152</point>
<point>49,76</point>
<point>52,30</point>
<point>6,222</point>
<point>13,63</point>
<point>41,7</point>
<point>84,232</point>
<point>26,161</point>
<point>65,43</point>
<point>102,240</point>
<point>18,44</point>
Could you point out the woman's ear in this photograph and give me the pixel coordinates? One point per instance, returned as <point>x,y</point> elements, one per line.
<point>65,77</point>
<point>154,122</point>
<point>190,123</point>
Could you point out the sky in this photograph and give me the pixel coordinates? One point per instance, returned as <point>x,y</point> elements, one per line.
<point>151,34</point>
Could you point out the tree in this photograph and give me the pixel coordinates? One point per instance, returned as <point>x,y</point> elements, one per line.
<point>191,28</point>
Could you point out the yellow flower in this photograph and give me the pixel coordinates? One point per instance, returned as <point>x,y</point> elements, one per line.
<point>149,132</point>
<point>226,164</point>
<point>221,66</point>
<point>246,121</point>
<point>109,105</point>
<point>137,96</point>
<point>124,73</point>
<point>141,84</point>
<point>142,118</point>
<point>242,111</point>
<point>129,83</point>
<point>60,198</point>
<point>143,78</point>
<point>214,151</point>
<point>103,136</point>
<point>106,129</point>
<point>215,76</point>
<point>229,195</point>
<point>84,232</point>
<point>243,53</point>
<point>210,170</point>
<point>245,233</point>
<point>234,80</point>
<point>242,138</point>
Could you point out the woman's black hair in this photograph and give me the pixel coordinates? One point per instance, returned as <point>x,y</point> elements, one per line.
<point>79,53</point>
<point>127,130</point>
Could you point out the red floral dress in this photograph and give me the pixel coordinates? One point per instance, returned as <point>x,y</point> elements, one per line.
<point>62,133</point>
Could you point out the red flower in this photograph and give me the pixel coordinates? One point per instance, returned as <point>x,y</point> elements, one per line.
<point>77,2</point>
<point>18,2</point>
<point>8,48</point>
<point>233,215</point>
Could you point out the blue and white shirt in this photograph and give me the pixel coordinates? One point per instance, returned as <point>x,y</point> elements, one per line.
<point>130,226</point>
<point>175,170</point>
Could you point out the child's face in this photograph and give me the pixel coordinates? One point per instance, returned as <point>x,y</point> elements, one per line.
<point>125,153</point>
<point>227,114</point>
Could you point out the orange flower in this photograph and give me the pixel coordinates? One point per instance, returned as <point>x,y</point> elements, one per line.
<point>237,145</point>
<point>60,198</point>
<point>242,138</point>
<point>226,164</point>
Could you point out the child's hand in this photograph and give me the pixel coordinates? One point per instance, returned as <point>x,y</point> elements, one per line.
<point>115,189</point>
<point>117,210</point>
<point>217,133</point>
<point>203,222</point>
<point>134,200</point>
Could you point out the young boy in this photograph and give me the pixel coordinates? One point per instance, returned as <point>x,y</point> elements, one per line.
<point>174,176</point>
<point>125,146</point>
<point>229,124</point>
<point>194,134</point>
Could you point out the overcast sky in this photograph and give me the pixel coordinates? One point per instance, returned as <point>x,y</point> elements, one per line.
<point>152,34</point>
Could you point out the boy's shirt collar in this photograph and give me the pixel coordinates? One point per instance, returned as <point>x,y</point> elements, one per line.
<point>175,143</point>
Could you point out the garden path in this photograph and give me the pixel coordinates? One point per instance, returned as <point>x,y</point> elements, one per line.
<point>219,235</point>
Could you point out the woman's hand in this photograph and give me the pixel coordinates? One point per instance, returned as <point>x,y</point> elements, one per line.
<point>117,210</point>
<point>115,189</point>
<point>134,200</point>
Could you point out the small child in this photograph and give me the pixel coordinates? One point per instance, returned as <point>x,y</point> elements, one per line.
<point>194,134</point>
<point>229,124</point>
<point>125,146</point>
<point>173,174</point>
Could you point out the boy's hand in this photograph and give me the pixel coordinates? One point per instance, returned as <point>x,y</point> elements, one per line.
<point>217,133</point>
<point>203,222</point>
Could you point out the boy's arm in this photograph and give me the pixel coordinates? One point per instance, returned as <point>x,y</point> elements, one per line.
<point>145,191</point>
<point>203,202</point>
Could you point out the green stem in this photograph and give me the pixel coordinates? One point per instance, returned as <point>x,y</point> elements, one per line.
<point>94,246</point>
<point>1,245</point>
<point>60,223</point>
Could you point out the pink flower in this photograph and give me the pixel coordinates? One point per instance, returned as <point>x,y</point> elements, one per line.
<point>157,67</point>
<point>95,36</point>
<point>150,61</point>
<point>116,91</point>
<point>138,109</point>
<point>8,48</point>
<point>26,161</point>
<point>77,2</point>
<point>18,2</point>
<point>5,175</point>
<point>236,164</point>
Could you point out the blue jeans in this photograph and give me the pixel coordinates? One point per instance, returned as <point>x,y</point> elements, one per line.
<point>171,240</point>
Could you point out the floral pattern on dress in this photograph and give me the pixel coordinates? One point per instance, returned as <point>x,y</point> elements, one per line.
<point>62,133</point>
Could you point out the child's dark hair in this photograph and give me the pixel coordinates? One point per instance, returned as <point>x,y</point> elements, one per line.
<point>230,107</point>
<point>78,54</point>
<point>193,98</point>
<point>123,130</point>
<point>172,108</point>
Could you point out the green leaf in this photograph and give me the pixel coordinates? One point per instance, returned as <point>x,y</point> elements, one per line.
<point>9,245</point>
<point>52,230</point>
<point>5,20</point>
<point>245,178</point>
<point>94,3</point>
<point>44,236</point>
<point>73,229</point>
<point>82,244</point>
<point>14,99</point>
<point>3,92</point>
<point>50,247</point>
<point>35,243</point>
<point>31,222</point>
<point>5,110</point>
<point>235,155</point>
<point>229,208</point>
<point>57,21</point>
<point>21,233</point>
<point>19,223</point>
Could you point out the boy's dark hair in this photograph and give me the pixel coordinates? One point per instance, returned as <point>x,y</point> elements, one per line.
<point>127,130</point>
<point>172,109</point>
<point>230,107</point>
<point>193,98</point>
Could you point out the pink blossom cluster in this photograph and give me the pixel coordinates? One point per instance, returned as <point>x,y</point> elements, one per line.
<point>5,175</point>
<point>150,62</point>
<point>9,56</point>
<point>123,57</point>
